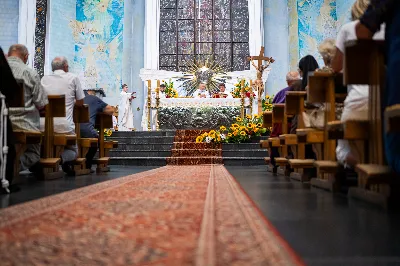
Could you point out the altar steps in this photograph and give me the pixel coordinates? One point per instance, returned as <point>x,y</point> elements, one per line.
<point>143,148</point>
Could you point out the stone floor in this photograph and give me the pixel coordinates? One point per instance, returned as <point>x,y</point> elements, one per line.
<point>324,229</point>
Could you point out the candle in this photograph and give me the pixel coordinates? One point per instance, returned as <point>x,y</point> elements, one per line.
<point>149,84</point>
<point>158,83</point>
<point>242,85</point>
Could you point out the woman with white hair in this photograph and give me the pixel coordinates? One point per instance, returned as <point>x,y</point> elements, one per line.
<point>356,104</point>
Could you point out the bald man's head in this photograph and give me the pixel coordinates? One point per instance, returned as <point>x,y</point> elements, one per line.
<point>20,51</point>
<point>292,77</point>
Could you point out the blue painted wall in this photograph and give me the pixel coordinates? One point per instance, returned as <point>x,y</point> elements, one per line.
<point>9,14</point>
<point>276,42</point>
<point>133,54</point>
<point>60,37</point>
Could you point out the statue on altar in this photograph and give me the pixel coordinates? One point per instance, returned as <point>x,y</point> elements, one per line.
<point>201,92</point>
<point>125,116</point>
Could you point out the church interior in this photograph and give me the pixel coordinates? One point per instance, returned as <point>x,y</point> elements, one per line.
<point>199,132</point>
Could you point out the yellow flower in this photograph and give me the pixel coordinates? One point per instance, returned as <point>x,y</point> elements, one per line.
<point>199,139</point>
<point>233,128</point>
<point>243,133</point>
<point>205,134</point>
<point>222,128</point>
<point>256,116</point>
<point>248,116</point>
<point>267,97</point>
<point>235,133</point>
<point>229,135</point>
<point>255,130</point>
<point>259,125</point>
<point>235,125</point>
<point>238,119</point>
<point>211,132</point>
<point>218,137</point>
<point>242,128</point>
<point>249,125</point>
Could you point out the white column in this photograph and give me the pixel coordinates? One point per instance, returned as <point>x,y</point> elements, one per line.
<point>26,27</point>
<point>256,26</point>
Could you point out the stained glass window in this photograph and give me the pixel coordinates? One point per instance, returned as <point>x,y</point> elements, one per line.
<point>192,30</point>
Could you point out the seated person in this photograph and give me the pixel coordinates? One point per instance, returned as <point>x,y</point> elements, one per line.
<point>7,86</point>
<point>27,118</point>
<point>201,92</point>
<point>223,93</point>
<point>96,105</point>
<point>162,91</point>
<point>350,153</point>
<point>62,82</point>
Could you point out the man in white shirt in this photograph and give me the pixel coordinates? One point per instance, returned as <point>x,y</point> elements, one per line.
<point>201,92</point>
<point>62,82</point>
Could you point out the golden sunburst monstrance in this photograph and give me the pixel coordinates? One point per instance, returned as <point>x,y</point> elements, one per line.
<point>210,72</point>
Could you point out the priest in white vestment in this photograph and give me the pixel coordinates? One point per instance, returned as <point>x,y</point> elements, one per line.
<point>201,92</point>
<point>125,116</point>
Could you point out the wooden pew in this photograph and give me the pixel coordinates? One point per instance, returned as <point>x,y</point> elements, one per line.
<point>322,90</point>
<point>49,160</point>
<point>267,123</point>
<point>81,115</point>
<point>103,121</point>
<point>295,101</point>
<point>22,137</point>
<point>364,64</point>
<point>280,116</point>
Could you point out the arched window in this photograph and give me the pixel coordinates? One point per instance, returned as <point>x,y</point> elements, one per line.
<point>198,30</point>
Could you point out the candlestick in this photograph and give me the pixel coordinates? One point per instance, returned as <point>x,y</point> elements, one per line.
<point>148,104</point>
<point>242,100</point>
<point>251,97</point>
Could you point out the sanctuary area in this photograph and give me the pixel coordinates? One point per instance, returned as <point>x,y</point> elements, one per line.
<point>199,132</point>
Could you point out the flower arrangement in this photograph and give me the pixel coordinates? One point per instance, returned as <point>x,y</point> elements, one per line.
<point>241,131</point>
<point>237,90</point>
<point>170,92</point>
<point>267,103</point>
<point>107,132</point>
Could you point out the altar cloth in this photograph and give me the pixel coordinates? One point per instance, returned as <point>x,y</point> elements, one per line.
<point>200,102</point>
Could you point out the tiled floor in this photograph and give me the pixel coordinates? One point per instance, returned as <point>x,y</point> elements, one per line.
<point>32,189</point>
<point>324,229</point>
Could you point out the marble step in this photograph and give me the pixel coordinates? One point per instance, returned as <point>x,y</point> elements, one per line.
<point>139,161</point>
<point>245,153</point>
<point>169,133</point>
<point>193,160</point>
<point>196,152</point>
<point>139,153</point>
<point>144,147</point>
<point>244,161</point>
<point>241,146</point>
<point>144,140</point>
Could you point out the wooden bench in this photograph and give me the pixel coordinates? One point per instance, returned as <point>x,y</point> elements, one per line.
<point>103,121</point>
<point>22,137</point>
<point>267,123</point>
<point>295,105</point>
<point>49,160</point>
<point>81,115</point>
<point>321,90</point>
<point>280,117</point>
<point>364,64</point>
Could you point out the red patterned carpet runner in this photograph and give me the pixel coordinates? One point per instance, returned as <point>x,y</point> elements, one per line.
<point>174,215</point>
<point>187,152</point>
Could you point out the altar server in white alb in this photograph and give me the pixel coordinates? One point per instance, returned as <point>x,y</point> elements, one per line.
<point>223,92</point>
<point>201,92</point>
<point>125,115</point>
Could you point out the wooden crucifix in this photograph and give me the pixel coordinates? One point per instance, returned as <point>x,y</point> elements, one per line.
<point>259,84</point>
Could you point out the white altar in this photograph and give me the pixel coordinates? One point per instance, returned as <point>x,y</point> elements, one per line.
<point>153,104</point>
